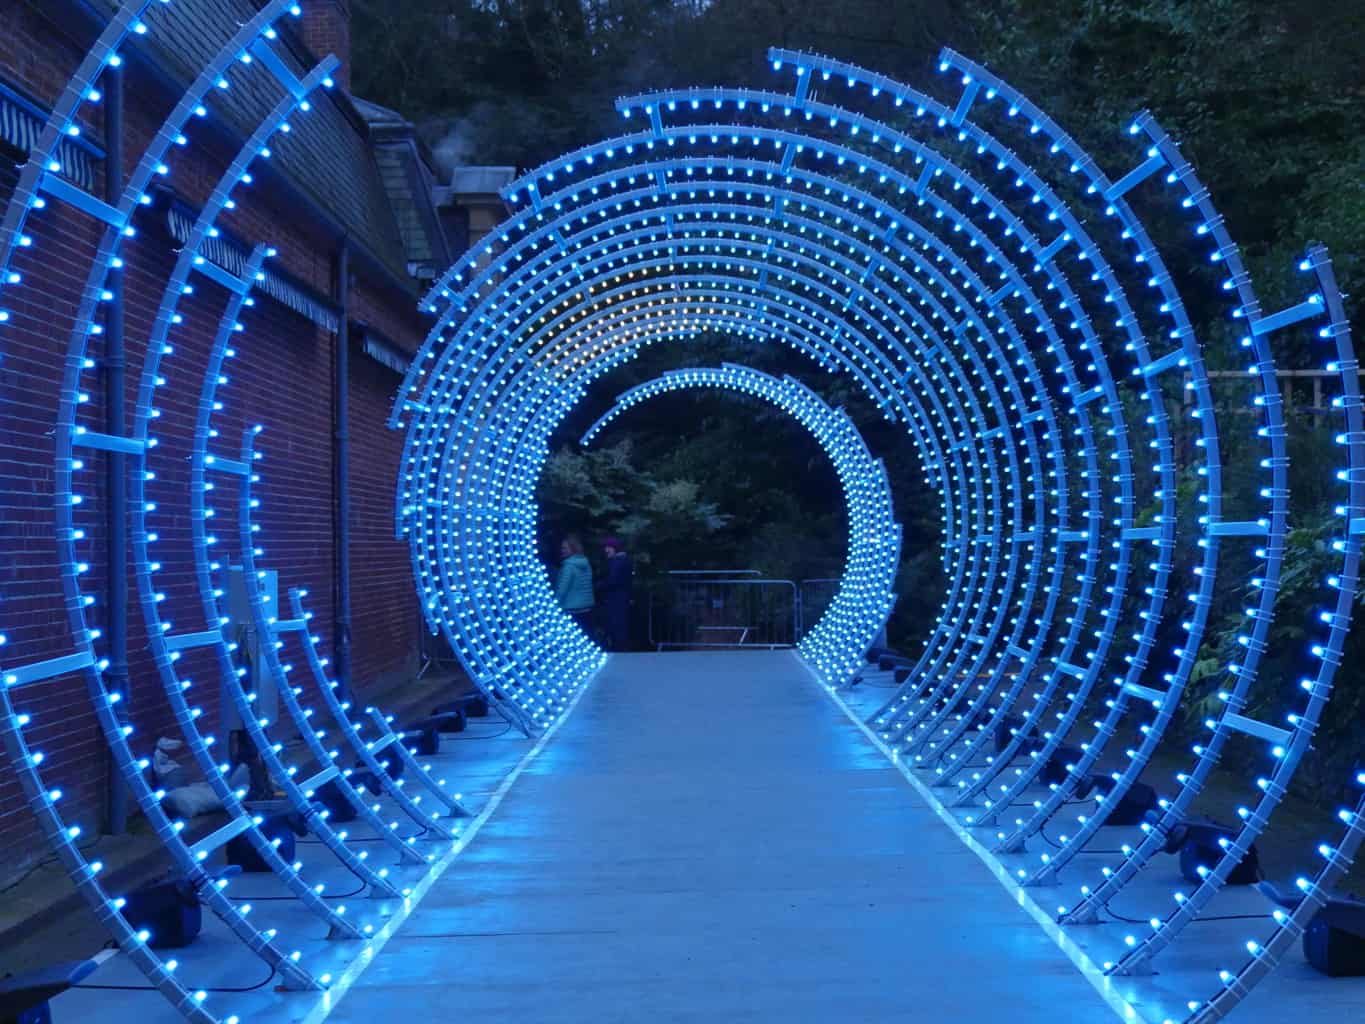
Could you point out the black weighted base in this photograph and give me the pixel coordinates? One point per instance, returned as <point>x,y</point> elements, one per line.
<point>240,853</point>
<point>422,738</point>
<point>1197,842</point>
<point>168,911</point>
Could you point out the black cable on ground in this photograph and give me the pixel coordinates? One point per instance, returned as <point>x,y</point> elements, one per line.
<point>338,896</point>
<point>1212,917</point>
<point>364,839</point>
<point>482,736</point>
<point>281,899</point>
<point>193,988</point>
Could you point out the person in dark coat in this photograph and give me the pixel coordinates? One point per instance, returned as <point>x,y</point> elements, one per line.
<point>616,595</point>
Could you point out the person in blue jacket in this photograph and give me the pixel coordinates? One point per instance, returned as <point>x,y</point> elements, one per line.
<point>616,594</point>
<point>573,584</point>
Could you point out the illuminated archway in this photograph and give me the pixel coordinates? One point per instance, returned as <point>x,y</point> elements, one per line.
<point>1018,319</point>
<point>978,274</point>
<point>858,611</point>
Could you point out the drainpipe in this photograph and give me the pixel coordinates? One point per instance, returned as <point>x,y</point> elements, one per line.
<point>342,459</point>
<point>116,624</point>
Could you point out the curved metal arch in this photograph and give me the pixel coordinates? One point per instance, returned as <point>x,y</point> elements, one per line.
<point>40,181</point>
<point>268,623</point>
<point>686,300</point>
<point>548,328</point>
<point>1205,579</point>
<point>505,441</point>
<point>1112,193</point>
<point>874,536</point>
<point>1147,368</point>
<point>165,645</point>
<point>1225,251</point>
<point>1073,168</point>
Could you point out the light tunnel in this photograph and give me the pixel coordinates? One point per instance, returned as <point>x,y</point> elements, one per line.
<point>857,613</point>
<point>988,286</point>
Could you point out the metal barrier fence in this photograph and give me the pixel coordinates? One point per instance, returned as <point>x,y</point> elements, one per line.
<point>813,598</point>
<point>700,610</point>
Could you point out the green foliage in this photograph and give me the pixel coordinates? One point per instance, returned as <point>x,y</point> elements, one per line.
<point>1265,96</point>
<point>591,489</point>
<point>520,81</point>
<point>729,491</point>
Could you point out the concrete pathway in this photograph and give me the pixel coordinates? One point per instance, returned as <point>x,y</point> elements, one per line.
<point>708,838</point>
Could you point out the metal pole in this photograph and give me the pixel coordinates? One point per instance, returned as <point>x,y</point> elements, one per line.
<point>116,468</point>
<point>342,455</point>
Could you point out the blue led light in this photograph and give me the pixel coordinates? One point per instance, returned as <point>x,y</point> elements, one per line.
<point>833,646</point>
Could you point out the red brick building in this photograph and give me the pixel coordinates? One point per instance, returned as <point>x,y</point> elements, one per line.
<point>350,177</point>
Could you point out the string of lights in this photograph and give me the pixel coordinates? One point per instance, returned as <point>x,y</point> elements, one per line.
<point>736,209</point>
<point>981,278</point>
<point>857,613</point>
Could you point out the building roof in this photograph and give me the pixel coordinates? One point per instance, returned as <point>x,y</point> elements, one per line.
<point>327,155</point>
<point>469,181</point>
<point>405,170</point>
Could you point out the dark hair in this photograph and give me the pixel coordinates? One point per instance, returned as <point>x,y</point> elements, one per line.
<point>572,542</point>
<point>614,543</point>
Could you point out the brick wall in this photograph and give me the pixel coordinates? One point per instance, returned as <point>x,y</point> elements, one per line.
<point>282,378</point>
<point>326,28</point>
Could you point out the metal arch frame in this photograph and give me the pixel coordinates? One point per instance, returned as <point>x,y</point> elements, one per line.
<point>1066,236</point>
<point>1112,194</point>
<point>1164,151</point>
<point>545,427</point>
<point>213,583</point>
<point>851,308</point>
<point>41,180</point>
<point>1225,251</point>
<point>517,315</point>
<point>295,975</point>
<point>368,749</point>
<point>70,434</point>
<point>167,646</point>
<point>850,623</point>
<point>268,623</point>
<point>1275,528</point>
